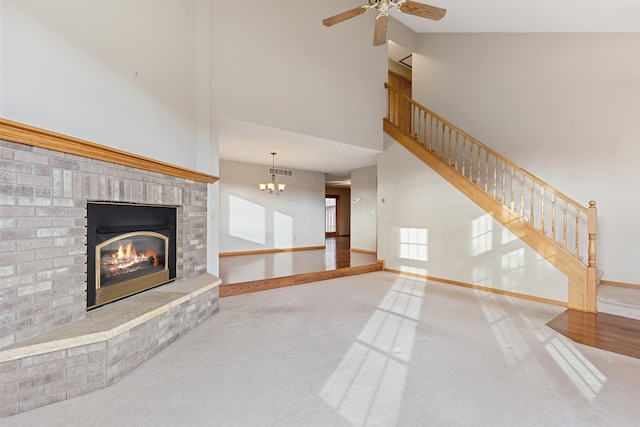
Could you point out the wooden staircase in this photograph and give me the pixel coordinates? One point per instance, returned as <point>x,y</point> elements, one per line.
<point>554,225</point>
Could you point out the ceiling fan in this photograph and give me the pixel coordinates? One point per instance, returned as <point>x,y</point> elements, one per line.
<point>383,6</point>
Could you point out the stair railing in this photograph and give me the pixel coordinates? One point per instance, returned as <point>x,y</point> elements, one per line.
<point>565,222</point>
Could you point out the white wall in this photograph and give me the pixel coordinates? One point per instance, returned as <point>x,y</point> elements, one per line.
<point>363,208</point>
<point>563,106</point>
<point>275,64</point>
<point>427,227</point>
<point>130,74</point>
<point>116,72</point>
<point>250,220</point>
<point>402,35</point>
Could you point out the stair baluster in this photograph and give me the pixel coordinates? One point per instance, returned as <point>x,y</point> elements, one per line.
<point>414,126</point>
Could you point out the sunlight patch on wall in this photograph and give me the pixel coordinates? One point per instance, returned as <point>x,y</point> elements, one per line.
<point>508,236</point>
<point>368,384</point>
<point>481,235</point>
<point>282,230</point>
<point>513,264</point>
<point>247,220</point>
<point>414,244</point>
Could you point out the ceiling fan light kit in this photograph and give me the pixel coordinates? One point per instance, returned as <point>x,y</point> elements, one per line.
<point>383,6</point>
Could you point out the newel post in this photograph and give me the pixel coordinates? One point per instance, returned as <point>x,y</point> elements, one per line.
<point>591,291</point>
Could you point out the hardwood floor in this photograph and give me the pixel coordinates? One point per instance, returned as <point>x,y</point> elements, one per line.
<point>605,331</point>
<point>251,273</point>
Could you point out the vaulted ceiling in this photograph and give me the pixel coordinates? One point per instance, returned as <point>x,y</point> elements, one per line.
<point>488,16</point>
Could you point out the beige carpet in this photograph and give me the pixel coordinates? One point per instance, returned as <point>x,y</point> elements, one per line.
<point>376,349</point>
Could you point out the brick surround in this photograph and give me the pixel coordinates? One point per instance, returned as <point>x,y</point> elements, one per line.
<point>43,197</point>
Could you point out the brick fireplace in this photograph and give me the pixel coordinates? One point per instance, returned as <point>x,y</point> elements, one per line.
<point>51,347</point>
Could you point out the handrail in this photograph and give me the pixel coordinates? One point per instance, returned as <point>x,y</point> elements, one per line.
<point>499,177</point>
<point>488,149</point>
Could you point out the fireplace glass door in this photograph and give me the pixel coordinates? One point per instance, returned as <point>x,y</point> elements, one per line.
<point>130,249</point>
<point>131,256</point>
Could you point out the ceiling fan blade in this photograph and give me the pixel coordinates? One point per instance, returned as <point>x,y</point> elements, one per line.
<point>422,10</point>
<point>345,15</point>
<point>380,31</point>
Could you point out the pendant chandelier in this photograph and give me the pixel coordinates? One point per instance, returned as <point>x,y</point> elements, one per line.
<point>272,187</point>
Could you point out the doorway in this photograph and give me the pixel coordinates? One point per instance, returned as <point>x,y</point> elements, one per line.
<point>331,215</point>
<point>400,66</point>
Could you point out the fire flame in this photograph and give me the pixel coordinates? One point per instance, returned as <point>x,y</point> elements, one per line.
<point>126,256</point>
<point>130,252</point>
<point>156,260</point>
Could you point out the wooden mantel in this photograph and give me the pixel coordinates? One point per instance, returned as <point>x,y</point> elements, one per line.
<point>30,135</point>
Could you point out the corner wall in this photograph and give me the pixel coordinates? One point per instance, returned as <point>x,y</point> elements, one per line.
<point>251,221</point>
<point>363,208</point>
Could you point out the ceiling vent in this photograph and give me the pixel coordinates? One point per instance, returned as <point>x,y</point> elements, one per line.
<point>281,172</point>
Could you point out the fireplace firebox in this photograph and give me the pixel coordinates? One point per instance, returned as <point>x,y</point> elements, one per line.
<point>130,248</point>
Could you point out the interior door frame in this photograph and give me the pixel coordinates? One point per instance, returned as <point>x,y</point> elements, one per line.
<point>337,232</point>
